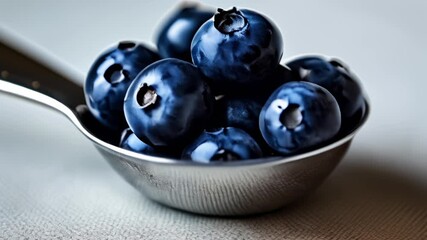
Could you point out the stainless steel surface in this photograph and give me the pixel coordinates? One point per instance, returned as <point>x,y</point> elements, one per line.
<point>235,188</point>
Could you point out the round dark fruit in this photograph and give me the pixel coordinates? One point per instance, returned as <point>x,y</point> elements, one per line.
<point>168,103</point>
<point>109,78</point>
<point>299,116</point>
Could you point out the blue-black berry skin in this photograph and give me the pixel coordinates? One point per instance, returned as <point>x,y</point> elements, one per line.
<point>237,49</point>
<point>177,32</point>
<point>280,75</point>
<point>337,79</point>
<point>299,116</point>
<point>222,144</point>
<point>238,112</point>
<point>168,103</point>
<point>109,78</point>
<point>131,142</point>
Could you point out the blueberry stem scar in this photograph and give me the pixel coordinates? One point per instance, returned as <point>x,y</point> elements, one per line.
<point>146,96</point>
<point>126,45</point>
<point>291,117</point>
<point>115,74</point>
<point>229,21</point>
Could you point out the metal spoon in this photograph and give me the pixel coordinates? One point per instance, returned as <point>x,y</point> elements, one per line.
<point>227,188</point>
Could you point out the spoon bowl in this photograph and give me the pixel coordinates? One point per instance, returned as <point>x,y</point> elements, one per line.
<point>225,188</point>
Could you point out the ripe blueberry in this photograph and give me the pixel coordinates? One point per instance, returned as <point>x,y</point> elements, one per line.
<point>242,113</point>
<point>223,144</point>
<point>237,49</point>
<point>109,78</point>
<point>337,79</point>
<point>131,142</point>
<point>298,116</point>
<point>168,103</point>
<point>175,36</point>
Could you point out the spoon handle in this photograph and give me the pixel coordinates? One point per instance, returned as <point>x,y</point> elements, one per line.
<point>19,67</point>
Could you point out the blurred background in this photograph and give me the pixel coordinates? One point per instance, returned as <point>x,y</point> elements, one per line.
<point>54,183</point>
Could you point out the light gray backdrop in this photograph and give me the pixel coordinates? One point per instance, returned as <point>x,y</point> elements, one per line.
<point>53,183</point>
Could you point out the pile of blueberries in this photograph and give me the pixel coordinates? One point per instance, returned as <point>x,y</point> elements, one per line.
<point>216,91</point>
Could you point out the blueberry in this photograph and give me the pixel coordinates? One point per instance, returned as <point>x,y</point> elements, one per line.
<point>223,144</point>
<point>242,113</point>
<point>174,40</point>
<point>109,78</point>
<point>237,49</point>
<point>299,116</point>
<point>131,142</point>
<point>168,103</point>
<point>337,79</point>
<point>280,76</point>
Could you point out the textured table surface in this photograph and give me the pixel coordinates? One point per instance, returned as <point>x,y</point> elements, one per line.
<point>55,185</point>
